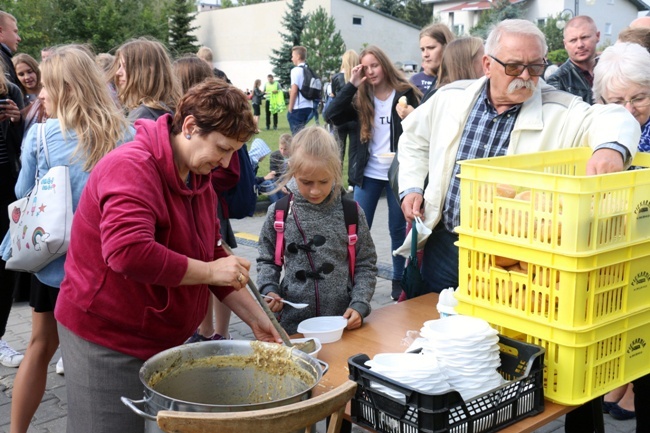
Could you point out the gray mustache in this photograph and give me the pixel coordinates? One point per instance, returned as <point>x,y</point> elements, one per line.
<point>519,83</point>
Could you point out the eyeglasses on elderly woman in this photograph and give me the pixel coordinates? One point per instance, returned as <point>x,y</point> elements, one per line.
<point>642,100</point>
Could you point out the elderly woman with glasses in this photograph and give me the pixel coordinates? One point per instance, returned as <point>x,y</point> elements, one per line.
<point>621,77</point>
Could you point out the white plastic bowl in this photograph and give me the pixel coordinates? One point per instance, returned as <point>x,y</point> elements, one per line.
<point>327,329</point>
<point>302,340</point>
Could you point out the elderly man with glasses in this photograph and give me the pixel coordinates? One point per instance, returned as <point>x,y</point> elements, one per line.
<point>506,112</point>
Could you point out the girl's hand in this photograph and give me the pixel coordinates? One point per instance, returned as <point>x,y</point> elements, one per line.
<point>357,76</point>
<point>276,303</point>
<point>354,319</point>
<point>270,175</point>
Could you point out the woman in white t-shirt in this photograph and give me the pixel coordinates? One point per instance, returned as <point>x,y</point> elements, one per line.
<point>370,97</point>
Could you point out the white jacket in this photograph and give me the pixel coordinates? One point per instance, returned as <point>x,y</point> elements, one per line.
<point>551,119</point>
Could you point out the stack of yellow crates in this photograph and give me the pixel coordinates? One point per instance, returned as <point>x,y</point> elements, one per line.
<point>561,259</point>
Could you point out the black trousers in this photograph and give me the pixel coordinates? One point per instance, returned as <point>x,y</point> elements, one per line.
<point>267,106</point>
<point>7,278</point>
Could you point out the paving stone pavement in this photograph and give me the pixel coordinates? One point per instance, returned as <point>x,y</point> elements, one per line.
<point>51,415</point>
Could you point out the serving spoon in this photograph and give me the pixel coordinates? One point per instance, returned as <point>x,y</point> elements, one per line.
<point>297,305</point>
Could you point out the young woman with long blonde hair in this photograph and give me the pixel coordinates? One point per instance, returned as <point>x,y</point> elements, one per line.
<point>83,125</point>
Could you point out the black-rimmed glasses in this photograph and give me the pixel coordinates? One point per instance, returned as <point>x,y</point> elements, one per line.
<point>516,69</point>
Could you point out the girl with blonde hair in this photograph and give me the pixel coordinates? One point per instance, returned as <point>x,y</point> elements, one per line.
<point>144,79</point>
<point>256,100</point>
<point>371,98</point>
<point>316,262</point>
<point>83,125</point>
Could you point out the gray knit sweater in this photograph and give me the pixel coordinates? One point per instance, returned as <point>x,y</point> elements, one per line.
<point>334,293</point>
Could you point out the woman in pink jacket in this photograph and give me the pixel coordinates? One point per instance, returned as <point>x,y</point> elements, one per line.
<point>145,254</point>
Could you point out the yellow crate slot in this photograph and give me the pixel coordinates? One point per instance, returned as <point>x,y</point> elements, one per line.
<point>557,208</point>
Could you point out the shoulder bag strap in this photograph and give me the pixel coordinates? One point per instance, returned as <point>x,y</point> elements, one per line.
<point>41,131</point>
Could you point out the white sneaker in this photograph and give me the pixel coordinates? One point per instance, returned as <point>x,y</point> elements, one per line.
<point>8,356</point>
<point>59,367</point>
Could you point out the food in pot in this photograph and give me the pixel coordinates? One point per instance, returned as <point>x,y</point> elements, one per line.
<point>269,373</point>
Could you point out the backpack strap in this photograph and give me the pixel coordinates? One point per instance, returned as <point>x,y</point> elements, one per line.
<point>351,216</point>
<point>281,213</point>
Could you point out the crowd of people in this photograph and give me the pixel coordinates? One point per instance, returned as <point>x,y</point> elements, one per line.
<point>153,145</point>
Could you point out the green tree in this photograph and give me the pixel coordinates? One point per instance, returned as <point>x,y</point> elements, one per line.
<point>324,44</point>
<point>418,13</point>
<point>558,56</point>
<point>34,24</point>
<point>501,10</point>
<point>294,23</point>
<point>390,7</point>
<point>181,40</point>
<point>104,24</point>
<point>554,35</point>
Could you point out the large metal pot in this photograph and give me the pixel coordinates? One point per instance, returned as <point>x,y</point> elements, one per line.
<point>224,376</point>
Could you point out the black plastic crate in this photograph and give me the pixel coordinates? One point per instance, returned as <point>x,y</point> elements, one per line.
<point>521,363</point>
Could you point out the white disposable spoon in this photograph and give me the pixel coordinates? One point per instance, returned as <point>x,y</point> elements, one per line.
<point>292,304</point>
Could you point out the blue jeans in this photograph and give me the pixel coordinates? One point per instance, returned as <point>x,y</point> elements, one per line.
<point>368,196</point>
<point>298,119</point>
<point>440,260</point>
<point>314,112</point>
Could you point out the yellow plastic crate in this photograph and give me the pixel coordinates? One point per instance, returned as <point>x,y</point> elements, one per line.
<point>601,359</point>
<point>567,211</point>
<point>565,292</point>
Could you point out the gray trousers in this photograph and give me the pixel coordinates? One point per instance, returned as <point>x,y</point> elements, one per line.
<point>96,378</point>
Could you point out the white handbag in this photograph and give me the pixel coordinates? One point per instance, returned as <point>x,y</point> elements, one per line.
<point>40,223</point>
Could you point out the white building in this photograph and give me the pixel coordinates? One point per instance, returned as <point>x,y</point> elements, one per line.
<point>611,16</point>
<point>242,38</point>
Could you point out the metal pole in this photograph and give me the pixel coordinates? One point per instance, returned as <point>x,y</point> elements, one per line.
<point>577,6</point>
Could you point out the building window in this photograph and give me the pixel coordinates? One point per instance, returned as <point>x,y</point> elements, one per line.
<point>541,22</point>
<point>357,21</point>
<point>608,29</point>
<point>459,29</point>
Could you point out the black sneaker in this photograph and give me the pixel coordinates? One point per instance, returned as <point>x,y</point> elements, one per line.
<point>197,338</point>
<point>396,290</point>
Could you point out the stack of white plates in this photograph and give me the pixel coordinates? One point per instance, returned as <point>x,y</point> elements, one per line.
<point>467,352</point>
<point>420,372</point>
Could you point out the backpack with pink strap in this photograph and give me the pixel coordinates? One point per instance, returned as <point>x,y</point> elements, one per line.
<point>350,214</point>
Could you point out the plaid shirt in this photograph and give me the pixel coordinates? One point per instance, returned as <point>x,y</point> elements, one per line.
<point>486,134</point>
